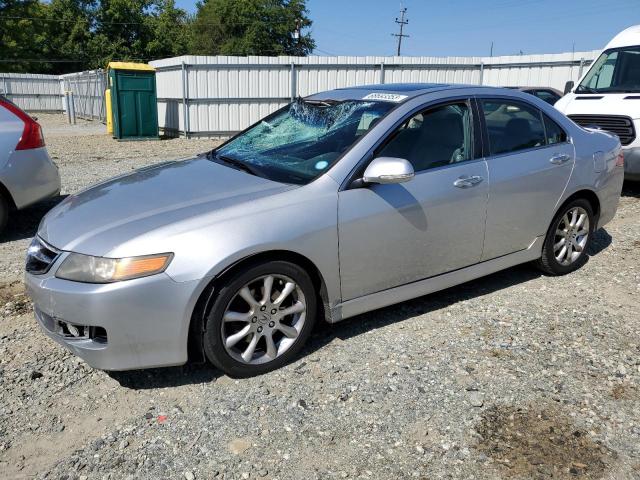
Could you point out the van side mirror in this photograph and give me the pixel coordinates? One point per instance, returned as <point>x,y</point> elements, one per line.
<point>568,86</point>
<point>388,170</point>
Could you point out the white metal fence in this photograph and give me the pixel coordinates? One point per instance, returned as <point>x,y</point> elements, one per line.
<point>200,95</point>
<point>34,92</point>
<point>88,93</point>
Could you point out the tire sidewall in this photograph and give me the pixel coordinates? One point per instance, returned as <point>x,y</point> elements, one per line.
<point>212,335</point>
<point>551,261</point>
<point>4,213</point>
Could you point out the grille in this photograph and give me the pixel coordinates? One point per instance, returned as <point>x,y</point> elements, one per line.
<point>40,257</point>
<point>616,124</point>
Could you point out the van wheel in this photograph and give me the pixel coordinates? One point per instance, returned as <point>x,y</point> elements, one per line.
<point>565,246</point>
<point>260,319</point>
<point>4,213</point>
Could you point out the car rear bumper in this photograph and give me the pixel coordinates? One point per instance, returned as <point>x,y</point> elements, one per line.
<point>632,163</point>
<point>30,176</point>
<point>126,325</point>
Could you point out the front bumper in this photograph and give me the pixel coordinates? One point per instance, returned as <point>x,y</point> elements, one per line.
<point>632,163</point>
<point>146,320</point>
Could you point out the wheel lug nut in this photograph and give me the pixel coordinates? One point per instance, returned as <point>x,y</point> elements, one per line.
<point>259,329</point>
<point>273,312</point>
<point>263,308</point>
<point>271,324</point>
<point>254,319</point>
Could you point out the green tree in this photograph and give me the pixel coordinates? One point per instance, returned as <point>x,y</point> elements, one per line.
<point>169,32</point>
<point>69,33</point>
<point>23,36</point>
<point>251,27</point>
<point>138,30</point>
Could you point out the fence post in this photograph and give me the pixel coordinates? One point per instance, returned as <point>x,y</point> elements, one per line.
<point>65,101</point>
<point>481,72</point>
<point>381,72</point>
<point>294,86</point>
<point>72,105</point>
<point>185,108</point>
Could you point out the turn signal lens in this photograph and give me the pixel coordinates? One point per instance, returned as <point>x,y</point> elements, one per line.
<point>88,269</point>
<point>620,160</point>
<point>136,267</point>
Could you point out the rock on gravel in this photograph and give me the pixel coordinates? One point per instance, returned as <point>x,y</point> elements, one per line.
<point>513,376</point>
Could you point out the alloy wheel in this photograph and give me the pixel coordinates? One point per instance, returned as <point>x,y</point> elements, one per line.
<point>263,319</point>
<point>571,236</point>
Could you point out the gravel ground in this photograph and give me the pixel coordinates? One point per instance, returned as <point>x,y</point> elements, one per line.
<point>515,375</point>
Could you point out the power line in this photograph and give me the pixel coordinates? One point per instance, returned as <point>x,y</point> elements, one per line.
<point>402,22</point>
<point>217,24</point>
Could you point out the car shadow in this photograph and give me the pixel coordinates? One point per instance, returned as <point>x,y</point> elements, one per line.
<point>631,189</point>
<point>325,334</point>
<point>189,374</point>
<point>24,223</point>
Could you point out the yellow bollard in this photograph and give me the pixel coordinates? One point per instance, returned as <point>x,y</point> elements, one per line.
<point>107,99</point>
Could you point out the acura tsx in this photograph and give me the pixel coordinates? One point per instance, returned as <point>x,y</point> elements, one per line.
<point>334,205</point>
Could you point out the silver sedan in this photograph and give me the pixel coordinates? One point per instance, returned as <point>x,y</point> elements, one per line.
<point>337,204</point>
<point>27,174</point>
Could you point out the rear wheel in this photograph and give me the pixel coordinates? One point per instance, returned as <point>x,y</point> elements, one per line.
<point>260,319</point>
<point>4,213</point>
<point>565,246</point>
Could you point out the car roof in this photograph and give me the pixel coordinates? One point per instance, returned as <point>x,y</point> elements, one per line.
<point>392,92</point>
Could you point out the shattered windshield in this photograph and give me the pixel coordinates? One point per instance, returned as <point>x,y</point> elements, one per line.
<point>301,141</point>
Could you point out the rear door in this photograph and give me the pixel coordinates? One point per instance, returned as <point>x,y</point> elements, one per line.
<point>530,161</point>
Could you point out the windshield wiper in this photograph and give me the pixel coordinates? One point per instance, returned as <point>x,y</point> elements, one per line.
<point>583,89</point>
<point>235,163</point>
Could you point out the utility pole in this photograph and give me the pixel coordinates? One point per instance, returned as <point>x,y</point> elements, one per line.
<point>491,50</point>
<point>402,22</point>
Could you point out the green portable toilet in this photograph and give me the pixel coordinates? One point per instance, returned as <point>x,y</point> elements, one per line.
<point>133,100</point>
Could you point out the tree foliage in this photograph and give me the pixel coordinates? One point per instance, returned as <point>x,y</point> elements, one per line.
<point>60,36</point>
<point>251,27</point>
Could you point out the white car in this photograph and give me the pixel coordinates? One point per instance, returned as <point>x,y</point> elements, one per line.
<point>27,173</point>
<point>608,96</point>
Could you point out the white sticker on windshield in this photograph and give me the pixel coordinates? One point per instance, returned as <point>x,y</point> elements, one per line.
<point>387,97</point>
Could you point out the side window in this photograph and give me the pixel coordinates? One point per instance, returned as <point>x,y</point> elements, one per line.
<point>555,133</point>
<point>512,126</point>
<point>549,97</point>
<point>433,138</point>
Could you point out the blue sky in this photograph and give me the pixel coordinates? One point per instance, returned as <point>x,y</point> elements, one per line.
<point>466,27</point>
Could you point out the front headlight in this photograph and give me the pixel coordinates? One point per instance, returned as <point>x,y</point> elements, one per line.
<point>88,269</point>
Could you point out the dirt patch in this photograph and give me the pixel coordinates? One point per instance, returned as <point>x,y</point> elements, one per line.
<point>539,443</point>
<point>13,299</point>
<point>624,391</point>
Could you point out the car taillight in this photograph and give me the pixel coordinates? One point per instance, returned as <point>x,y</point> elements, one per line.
<point>620,160</point>
<point>32,136</point>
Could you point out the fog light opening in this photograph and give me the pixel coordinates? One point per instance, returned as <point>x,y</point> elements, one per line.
<point>98,334</point>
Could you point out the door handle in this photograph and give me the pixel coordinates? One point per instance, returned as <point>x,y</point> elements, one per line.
<point>560,159</point>
<point>467,182</point>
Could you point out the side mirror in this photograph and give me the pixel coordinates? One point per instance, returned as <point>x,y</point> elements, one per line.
<point>388,170</point>
<point>568,86</point>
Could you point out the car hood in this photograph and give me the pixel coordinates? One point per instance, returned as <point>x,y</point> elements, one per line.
<point>97,220</point>
<point>626,104</point>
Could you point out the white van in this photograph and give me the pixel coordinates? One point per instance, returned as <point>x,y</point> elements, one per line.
<point>608,96</point>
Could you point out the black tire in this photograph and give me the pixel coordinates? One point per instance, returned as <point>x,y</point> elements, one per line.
<point>548,262</point>
<point>4,213</point>
<point>214,348</point>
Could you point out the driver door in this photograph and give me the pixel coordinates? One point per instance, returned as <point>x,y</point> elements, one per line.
<point>394,234</point>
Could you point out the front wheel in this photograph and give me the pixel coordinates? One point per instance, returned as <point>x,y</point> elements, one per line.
<point>565,246</point>
<point>260,319</point>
